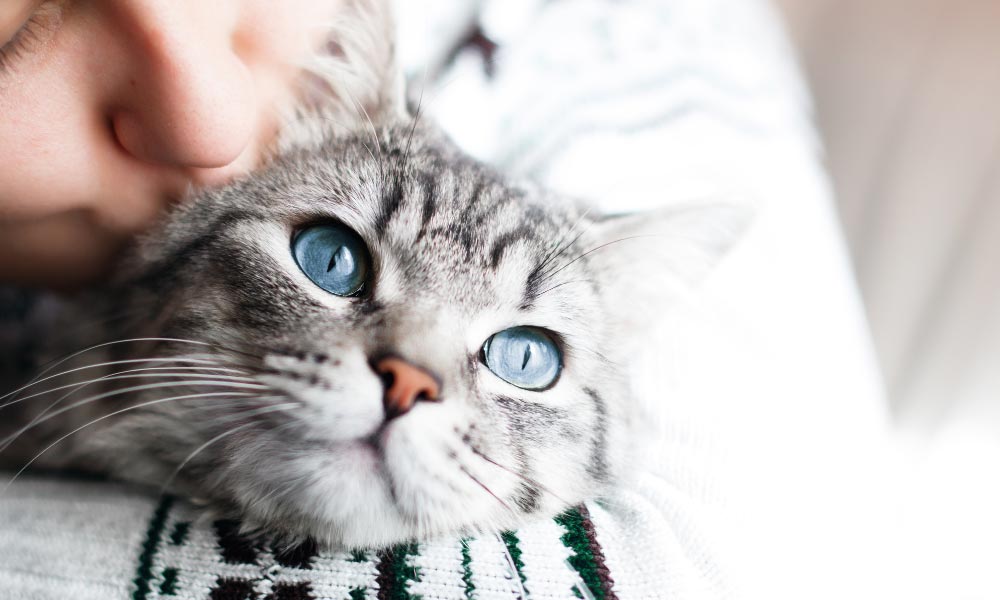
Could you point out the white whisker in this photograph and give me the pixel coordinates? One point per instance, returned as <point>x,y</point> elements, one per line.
<point>243,415</point>
<point>38,380</point>
<point>512,567</point>
<point>99,419</point>
<point>82,385</point>
<point>133,374</point>
<point>233,385</point>
<point>56,363</point>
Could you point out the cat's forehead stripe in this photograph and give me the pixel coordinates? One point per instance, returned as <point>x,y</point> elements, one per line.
<point>504,241</point>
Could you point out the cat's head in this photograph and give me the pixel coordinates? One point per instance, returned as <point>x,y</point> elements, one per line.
<point>403,343</point>
<point>385,340</point>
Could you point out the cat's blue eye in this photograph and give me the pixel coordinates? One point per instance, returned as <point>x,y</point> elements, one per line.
<point>523,356</point>
<point>333,257</point>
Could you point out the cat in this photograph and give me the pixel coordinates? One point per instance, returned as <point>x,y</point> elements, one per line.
<point>372,339</point>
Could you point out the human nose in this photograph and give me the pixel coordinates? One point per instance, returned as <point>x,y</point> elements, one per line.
<point>188,99</point>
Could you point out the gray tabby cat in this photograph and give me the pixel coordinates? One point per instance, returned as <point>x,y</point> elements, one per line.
<point>373,339</point>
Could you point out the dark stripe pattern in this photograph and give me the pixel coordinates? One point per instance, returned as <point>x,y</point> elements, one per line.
<point>297,557</point>
<point>470,587</point>
<point>394,572</point>
<point>514,550</point>
<point>588,558</point>
<point>597,467</point>
<point>169,585</point>
<point>144,572</point>
<point>232,588</point>
<point>180,533</point>
<point>236,548</point>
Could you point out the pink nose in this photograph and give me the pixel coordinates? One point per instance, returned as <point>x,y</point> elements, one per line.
<point>405,384</point>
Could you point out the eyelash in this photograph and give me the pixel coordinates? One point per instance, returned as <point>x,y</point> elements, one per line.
<point>31,35</point>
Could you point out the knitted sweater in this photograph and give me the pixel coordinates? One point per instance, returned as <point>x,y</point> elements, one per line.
<point>83,540</point>
<point>746,486</point>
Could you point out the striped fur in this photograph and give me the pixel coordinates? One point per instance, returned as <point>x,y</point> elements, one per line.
<point>459,253</point>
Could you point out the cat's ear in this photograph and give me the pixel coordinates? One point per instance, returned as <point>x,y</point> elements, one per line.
<point>355,80</point>
<point>368,41</point>
<point>646,260</point>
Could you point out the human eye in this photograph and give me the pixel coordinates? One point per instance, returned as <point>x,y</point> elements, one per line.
<point>25,26</point>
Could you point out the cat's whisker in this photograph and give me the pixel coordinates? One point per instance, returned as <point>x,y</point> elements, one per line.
<point>4,444</point>
<point>240,415</point>
<point>82,385</point>
<point>595,249</point>
<point>413,126</point>
<point>102,418</point>
<point>111,363</point>
<point>560,247</point>
<point>53,364</point>
<point>488,490</point>
<point>513,472</point>
<point>559,285</point>
<point>131,374</point>
<point>380,161</point>
<point>512,567</point>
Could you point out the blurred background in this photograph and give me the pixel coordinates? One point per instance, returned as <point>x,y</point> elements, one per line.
<point>907,95</point>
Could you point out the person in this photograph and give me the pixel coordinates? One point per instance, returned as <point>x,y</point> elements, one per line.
<point>111,109</point>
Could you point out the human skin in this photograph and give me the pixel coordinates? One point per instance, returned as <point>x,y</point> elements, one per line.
<point>111,109</point>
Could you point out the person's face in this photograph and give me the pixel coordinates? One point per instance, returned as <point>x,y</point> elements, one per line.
<point>109,109</point>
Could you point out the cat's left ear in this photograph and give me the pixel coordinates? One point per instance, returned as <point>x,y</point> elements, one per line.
<point>357,77</point>
<point>379,46</point>
<point>645,259</point>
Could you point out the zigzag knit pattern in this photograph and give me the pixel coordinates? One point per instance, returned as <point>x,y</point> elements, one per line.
<point>184,561</point>
<point>92,540</point>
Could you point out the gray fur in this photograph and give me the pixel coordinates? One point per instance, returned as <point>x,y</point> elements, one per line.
<point>459,253</point>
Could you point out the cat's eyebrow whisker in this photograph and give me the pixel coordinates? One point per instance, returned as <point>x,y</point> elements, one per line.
<point>558,285</point>
<point>560,247</point>
<point>233,386</point>
<point>378,146</point>
<point>240,415</point>
<point>604,245</point>
<point>413,126</point>
<point>101,418</point>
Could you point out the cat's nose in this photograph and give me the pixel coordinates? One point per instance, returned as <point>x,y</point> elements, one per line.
<point>404,385</point>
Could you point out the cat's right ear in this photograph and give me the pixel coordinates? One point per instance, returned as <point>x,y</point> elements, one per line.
<point>645,260</point>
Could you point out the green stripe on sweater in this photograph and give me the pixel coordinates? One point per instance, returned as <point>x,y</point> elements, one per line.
<point>467,570</point>
<point>395,571</point>
<point>510,540</point>
<point>144,571</point>
<point>583,559</point>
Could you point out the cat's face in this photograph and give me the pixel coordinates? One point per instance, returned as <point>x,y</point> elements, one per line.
<point>432,344</point>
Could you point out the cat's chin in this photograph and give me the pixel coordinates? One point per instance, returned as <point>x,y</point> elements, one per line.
<point>381,490</point>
